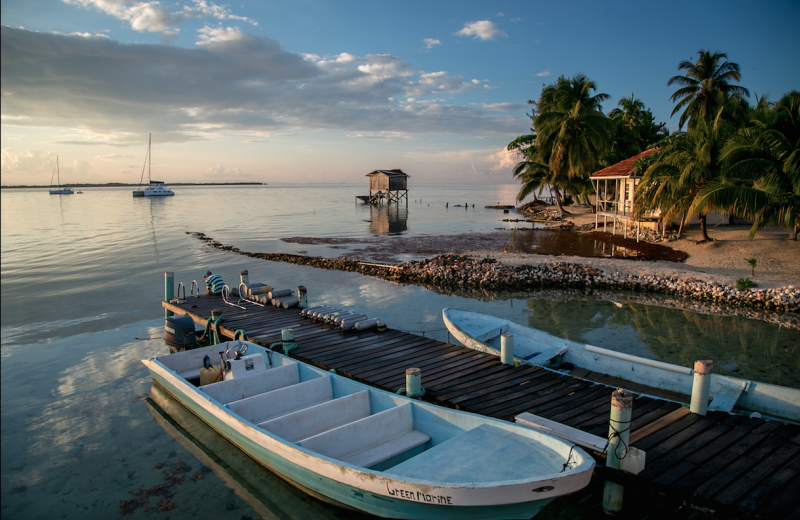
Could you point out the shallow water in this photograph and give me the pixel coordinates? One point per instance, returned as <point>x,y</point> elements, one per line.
<point>82,277</point>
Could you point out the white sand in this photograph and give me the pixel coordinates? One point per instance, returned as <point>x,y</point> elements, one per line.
<point>721,261</point>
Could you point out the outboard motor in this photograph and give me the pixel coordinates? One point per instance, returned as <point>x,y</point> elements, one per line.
<point>179,333</point>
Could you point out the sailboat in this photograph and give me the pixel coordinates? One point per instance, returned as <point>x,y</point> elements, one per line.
<point>154,188</point>
<point>61,190</point>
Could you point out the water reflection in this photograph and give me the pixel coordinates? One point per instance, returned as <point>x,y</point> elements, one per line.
<point>266,493</point>
<point>389,219</point>
<point>740,347</point>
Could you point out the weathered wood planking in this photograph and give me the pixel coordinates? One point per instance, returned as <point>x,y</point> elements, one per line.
<point>732,465</point>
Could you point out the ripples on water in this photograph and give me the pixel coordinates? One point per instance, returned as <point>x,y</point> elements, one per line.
<point>82,276</point>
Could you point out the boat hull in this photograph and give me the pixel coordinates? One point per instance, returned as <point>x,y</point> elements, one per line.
<point>340,493</point>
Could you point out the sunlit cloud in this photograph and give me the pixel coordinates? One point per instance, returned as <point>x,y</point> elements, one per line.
<point>543,73</point>
<point>430,42</point>
<point>481,30</point>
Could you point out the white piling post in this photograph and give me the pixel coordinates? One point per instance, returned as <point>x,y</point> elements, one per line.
<point>244,277</point>
<point>169,290</point>
<point>507,349</point>
<point>619,435</point>
<point>700,386</point>
<point>413,382</point>
<point>302,294</point>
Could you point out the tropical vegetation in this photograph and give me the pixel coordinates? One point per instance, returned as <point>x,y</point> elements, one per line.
<point>733,158</point>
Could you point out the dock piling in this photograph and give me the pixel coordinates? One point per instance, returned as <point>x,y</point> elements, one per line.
<point>169,290</point>
<point>507,349</point>
<point>617,449</point>
<point>302,295</point>
<point>413,382</point>
<point>700,386</point>
<point>244,277</point>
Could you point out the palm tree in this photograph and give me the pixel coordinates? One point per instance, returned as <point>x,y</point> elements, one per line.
<point>535,174</point>
<point>675,181</point>
<point>764,175</point>
<point>705,87</point>
<point>572,130</point>
<point>630,111</point>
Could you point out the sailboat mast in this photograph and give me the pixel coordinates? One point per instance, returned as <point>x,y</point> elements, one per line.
<point>149,157</point>
<point>58,171</point>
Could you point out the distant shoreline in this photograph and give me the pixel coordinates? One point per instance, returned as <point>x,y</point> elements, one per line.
<point>122,185</point>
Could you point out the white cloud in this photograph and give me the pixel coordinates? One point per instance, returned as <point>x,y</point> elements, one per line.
<point>483,30</point>
<point>501,13</point>
<point>113,157</point>
<point>504,107</point>
<point>210,35</point>
<point>152,17</point>
<point>232,83</point>
<point>220,172</point>
<point>515,19</point>
<point>430,42</point>
<point>543,73</point>
<point>502,161</point>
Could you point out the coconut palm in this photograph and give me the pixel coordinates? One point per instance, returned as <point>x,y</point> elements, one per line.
<point>682,171</point>
<point>572,130</point>
<point>535,175</point>
<point>763,181</point>
<point>629,112</point>
<point>705,87</point>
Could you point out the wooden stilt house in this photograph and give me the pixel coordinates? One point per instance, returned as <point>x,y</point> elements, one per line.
<point>388,185</point>
<point>615,187</point>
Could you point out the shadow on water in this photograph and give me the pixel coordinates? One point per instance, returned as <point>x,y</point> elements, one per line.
<point>591,245</point>
<point>266,493</point>
<point>388,219</point>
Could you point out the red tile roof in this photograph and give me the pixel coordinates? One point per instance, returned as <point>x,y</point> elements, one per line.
<point>622,168</point>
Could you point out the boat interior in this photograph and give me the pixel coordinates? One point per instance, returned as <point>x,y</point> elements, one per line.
<point>369,428</point>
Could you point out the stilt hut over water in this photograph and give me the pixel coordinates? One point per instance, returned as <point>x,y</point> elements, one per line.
<point>388,185</point>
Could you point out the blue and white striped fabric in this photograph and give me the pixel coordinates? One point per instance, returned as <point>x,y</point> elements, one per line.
<point>215,283</point>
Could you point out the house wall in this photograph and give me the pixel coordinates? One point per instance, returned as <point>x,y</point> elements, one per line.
<point>379,182</point>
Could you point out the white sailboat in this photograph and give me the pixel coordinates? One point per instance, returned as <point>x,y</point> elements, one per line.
<point>154,188</point>
<point>61,190</point>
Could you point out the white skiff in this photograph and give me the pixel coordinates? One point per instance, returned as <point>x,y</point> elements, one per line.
<point>369,449</point>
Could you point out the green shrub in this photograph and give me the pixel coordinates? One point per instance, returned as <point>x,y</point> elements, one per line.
<point>745,283</point>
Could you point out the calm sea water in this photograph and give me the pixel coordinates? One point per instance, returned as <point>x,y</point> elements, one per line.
<point>82,278</point>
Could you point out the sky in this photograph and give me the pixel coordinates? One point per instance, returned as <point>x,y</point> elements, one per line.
<point>312,91</point>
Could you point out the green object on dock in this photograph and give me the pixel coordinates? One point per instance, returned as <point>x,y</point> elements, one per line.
<point>239,334</point>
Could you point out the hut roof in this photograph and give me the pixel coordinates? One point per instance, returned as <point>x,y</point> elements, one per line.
<point>623,169</point>
<point>390,173</point>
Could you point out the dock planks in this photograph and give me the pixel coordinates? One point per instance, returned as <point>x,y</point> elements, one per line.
<point>731,465</point>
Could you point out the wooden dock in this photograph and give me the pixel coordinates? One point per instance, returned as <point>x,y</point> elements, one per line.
<point>729,466</point>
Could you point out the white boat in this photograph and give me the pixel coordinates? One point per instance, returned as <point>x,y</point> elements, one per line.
<point>369,449</point>
<point>154,188</point>
<point>483,332</point>
<point>60,190</point>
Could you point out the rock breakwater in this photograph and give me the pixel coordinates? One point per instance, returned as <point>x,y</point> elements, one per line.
<point>455,271</point>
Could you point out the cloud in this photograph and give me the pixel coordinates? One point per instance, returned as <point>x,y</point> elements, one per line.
<point>483,30</point>
<point>113,157</point>
<point>505,107</point>
<point>501,13</point>
<point>152,17</point>
<point>543,73</point>
<point>218,172</point>
<point>231,83</point>
<point>502,161</point>
<point>430,42</point>
<point>515,19</point>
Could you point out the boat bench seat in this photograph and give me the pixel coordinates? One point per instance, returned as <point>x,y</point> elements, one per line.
<point>269,405</point>
<point>193,373</point>
<point>232,390</point>
<point>314,420</point>
<point>371,440</point>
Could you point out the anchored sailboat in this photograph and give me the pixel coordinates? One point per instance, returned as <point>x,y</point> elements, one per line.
<point>61,190</point>
<point>154,188</point>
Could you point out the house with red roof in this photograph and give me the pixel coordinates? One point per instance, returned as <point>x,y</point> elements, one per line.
<point>615,188</point>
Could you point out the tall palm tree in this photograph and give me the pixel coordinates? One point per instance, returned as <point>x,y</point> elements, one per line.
<point>630,111</point>
<point>573,132</point>
<point>684,169</point>
<point>705,87</point>
<point>763,182</point>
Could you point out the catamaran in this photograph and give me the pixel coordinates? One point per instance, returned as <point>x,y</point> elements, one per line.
<point>154,188</point>
<point>61,190</point>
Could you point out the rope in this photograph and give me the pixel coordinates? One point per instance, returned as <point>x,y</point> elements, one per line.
<point>617,433</point>
<point>569,459</point>
<point>205,335</point>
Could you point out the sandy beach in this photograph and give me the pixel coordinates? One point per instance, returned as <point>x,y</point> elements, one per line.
<point>721,261</point>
